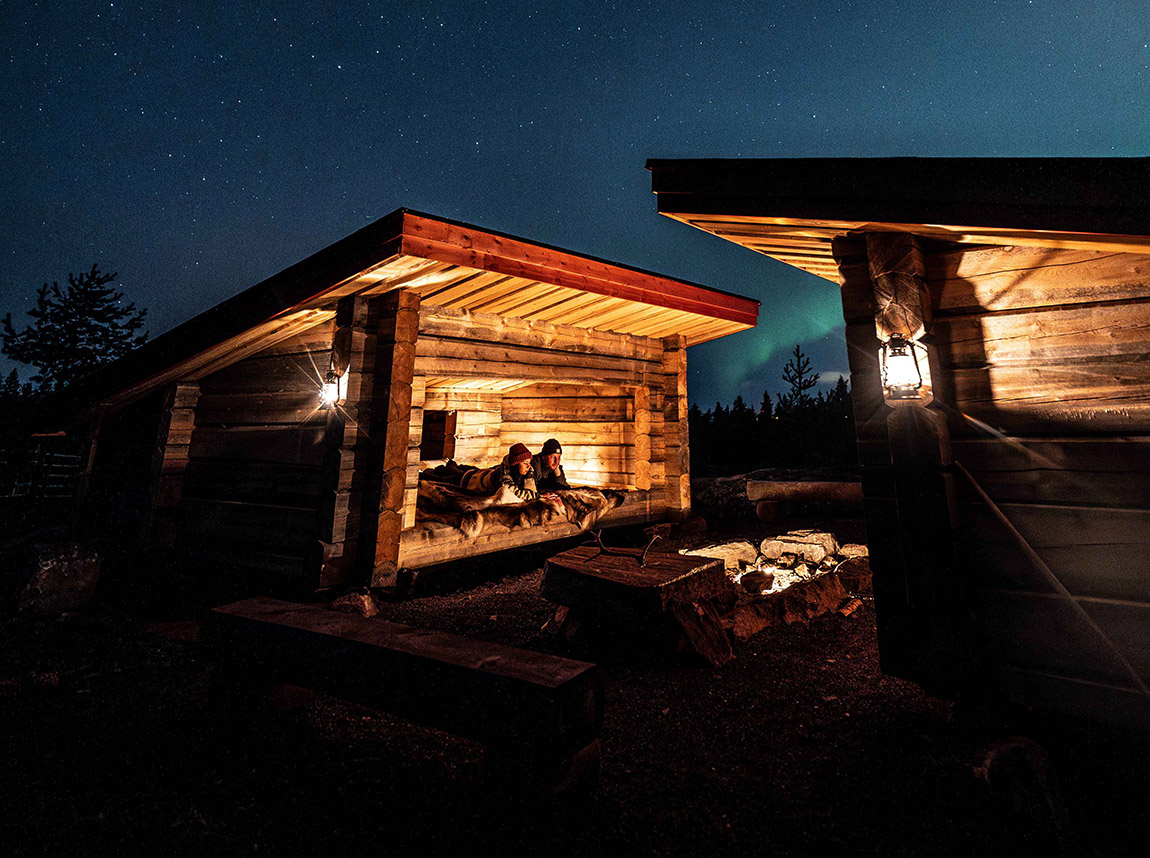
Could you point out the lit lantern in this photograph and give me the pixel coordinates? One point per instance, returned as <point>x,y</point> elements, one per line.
<point>329,391</point>
<point>901,376</point>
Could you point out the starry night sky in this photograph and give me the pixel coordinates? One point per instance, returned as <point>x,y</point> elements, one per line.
<point>198,148</point>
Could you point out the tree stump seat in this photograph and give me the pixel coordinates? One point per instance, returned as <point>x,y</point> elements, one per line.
<point>627,586</point>
<point>539,716</point>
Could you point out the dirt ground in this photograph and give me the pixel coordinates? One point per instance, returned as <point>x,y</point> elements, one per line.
<point>800,746</point>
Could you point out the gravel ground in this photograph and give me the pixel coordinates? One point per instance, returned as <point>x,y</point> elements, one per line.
<point>798,747</point>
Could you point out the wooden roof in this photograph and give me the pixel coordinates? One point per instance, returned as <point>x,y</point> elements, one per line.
<point>792,208</point>
<point>451,264</point>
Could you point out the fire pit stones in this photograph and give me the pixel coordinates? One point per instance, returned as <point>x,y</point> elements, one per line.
<point>790,578</point>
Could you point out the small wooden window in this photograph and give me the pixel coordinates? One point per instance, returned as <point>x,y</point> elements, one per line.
<point>438,440</point>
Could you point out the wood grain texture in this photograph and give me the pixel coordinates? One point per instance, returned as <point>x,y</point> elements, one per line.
<point>431,545</point>
<point>1040,632</point>
<point>1101,471</point>
<point>444,262</point>
<point>489,692</point>
<point>995,279</point>
<point>1058,335</point>
<point>391,429</point>
<point>599,583</point>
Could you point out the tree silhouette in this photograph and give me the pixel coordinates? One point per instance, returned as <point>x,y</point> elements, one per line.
<point>797,373</point>
<point>75,329</point>
<point>766,409</point>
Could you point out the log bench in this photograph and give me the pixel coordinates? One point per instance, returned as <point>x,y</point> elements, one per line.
<point>537,715</point>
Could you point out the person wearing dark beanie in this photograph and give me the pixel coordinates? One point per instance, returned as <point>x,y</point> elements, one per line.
<point>547,469</point>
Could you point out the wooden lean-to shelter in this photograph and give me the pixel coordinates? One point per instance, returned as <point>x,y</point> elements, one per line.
<point>446,341</point>
<point>1007,479</point>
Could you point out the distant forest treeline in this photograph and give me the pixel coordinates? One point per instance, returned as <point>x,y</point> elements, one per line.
<point>796,430</point>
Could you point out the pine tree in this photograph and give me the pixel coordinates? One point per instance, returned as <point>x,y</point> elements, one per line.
<point>797,373</point>
<point>75,329</point>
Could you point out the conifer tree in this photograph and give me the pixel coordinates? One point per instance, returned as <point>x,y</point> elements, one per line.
<point>765,409</point>
<point>797,373</point>
<point>75,329</point>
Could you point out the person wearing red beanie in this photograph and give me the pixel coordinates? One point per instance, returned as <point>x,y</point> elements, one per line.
<point>513,473</point>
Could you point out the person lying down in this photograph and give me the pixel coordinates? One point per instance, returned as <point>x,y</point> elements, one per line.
<point>521,491</point>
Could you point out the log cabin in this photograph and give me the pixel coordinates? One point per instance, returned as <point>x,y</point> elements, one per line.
<point>436,340</point>
<point>997,318</point>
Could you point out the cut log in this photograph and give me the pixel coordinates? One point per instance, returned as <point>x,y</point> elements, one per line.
<point>805,492</point>
<point>622,588</point>
<point>796,604</point>
<point>704,632</point>
<point>768,510</point>
<point>611,584</point>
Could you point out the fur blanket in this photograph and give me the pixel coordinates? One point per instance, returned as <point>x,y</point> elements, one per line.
<point>472,514</point>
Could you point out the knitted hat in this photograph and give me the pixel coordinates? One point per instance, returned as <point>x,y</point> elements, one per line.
<point>518,453</point>
<point>551,446</point>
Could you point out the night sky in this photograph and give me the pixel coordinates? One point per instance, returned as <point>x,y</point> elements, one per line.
<point>198,148</point>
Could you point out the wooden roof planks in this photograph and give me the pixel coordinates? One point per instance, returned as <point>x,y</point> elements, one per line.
<point>447,263</point>
<point>792,208</point>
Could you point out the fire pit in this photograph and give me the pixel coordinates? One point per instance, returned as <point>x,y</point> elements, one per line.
<point>787,579</point>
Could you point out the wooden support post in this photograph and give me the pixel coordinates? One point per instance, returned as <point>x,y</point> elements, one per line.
<point>391,423</point>
<point>677,450</point>
<point>94,425</point>
<point>904,452</point>
<point>901,302</point>
<point>372,457</point>
<point>170,462</point>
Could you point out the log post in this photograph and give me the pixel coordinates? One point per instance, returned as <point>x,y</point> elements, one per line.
<point>371,461</point>
<point>904,453</point>
<point>677,447</point>
<point>391,424</point>
<point>901,303</point>
<point>170,462</point>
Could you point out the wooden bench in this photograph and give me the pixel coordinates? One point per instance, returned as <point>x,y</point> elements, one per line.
<point>627,585</point>
<point>538,715</point>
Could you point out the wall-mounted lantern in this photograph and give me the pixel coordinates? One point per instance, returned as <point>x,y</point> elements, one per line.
<point>329,391</point>
<point>901,376</point>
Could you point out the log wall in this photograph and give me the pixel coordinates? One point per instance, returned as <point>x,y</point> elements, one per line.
<point>477,420</point>
<point>1041,341</point>
<point>1046,351</point>
<point>599,394</point>
<point>594,423</point>
<point>254,496</point>
<point>1043,381</point>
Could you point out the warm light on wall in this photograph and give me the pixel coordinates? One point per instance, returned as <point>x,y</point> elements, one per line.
<point>901,376</point>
